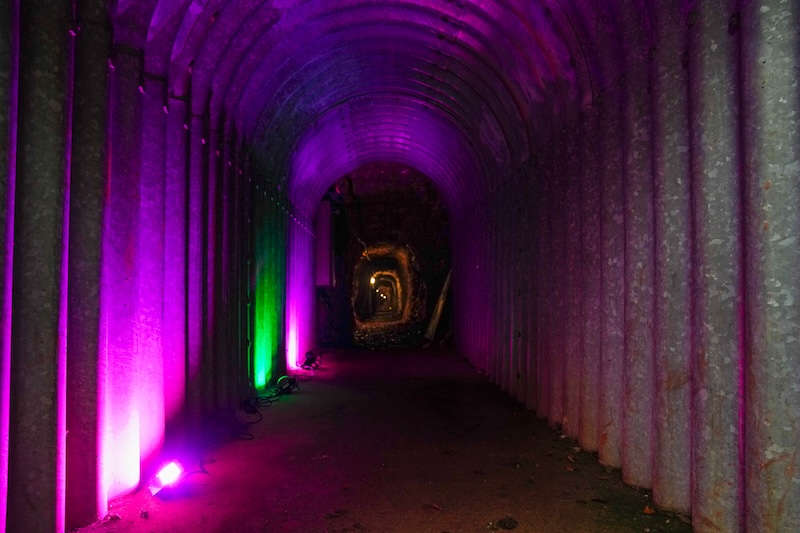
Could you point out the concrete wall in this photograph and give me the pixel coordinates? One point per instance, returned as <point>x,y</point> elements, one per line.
<point>119,241</point>
<point>661,326</point>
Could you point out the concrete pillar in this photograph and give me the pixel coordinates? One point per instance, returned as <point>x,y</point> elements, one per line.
<point>250,273</point>
<point>507,288</point>
<point>211,378</point>
<point>37,411</point>
<point>482,270</point>
<point>86,490</point>
<point>9,78</point>
<point>500,268</point>
<point>150,269</point>
<point>558,279</point>
<point>281,269</point>
<point>613,286</point>
<point>222,353</point>
<point>250,268</point>
<point>500,264</point>
<point>299,308</point>
<point>638,365</point>
<point>223,339</point>
<point>515,296</point>
<point>525,244</point>
<point>591,211</point>
<point>771,62</point>
<point>246,245</point>
<point>269,252</point>
<point>465,287</point>
<point>502,259</point>
<point>485,284</point>
<point>494,288</point>
<point>518,296</point>
<point>494,280</point>
<point>235,258</point>
<point>717,279</point>
<point>572,343</point>
<point>543,307</point>
<point>118,286</point>
<point>470,234</point>
<point>497,326</point>
<point>238,267</point>
<point>672,328</point>
<point>263,242</point>
<point>174,308</point>
<point>491,355</point>
<point>195,260</point>
<point>175,253</point>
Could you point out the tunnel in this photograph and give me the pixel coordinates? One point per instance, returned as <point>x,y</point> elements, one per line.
<point>621,180</point>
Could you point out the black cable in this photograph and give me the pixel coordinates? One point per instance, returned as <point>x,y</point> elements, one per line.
<point>250,405</point>
<point>256,421</point>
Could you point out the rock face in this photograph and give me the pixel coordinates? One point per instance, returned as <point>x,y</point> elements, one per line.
<point>390,311</point>
<point>397,213</point>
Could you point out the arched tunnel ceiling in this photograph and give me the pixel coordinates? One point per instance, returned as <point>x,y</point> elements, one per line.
<point>317,88</point>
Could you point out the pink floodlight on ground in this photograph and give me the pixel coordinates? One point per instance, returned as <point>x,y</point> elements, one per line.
<point>169,475</point>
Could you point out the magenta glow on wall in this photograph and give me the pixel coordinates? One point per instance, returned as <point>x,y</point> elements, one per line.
<point>7,273</point>
<point>299,295</point>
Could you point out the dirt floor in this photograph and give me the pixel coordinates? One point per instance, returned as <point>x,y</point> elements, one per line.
<point>396,442</point>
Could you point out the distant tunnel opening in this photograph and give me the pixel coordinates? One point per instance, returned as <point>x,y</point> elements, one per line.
<point>385,245</point>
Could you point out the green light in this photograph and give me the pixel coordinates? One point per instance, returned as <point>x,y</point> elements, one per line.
<point>270,255</point>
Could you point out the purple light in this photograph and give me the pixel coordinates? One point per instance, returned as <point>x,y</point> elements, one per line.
<point>169,475</point>
<point>299,296</point>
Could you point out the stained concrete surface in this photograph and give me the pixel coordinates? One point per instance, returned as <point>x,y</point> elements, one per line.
<point>396,442</point>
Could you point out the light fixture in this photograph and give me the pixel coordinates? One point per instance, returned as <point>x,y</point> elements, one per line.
<point>167,476</point>
<point>372,280</point>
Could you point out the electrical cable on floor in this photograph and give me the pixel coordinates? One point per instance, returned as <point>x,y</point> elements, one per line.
<point>312,361</point>
<point>200,470</point>
<point>246,435</point>
<point>252,404</point>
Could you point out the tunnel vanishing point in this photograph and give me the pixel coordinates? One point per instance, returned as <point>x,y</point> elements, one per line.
<point>622,180</point>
